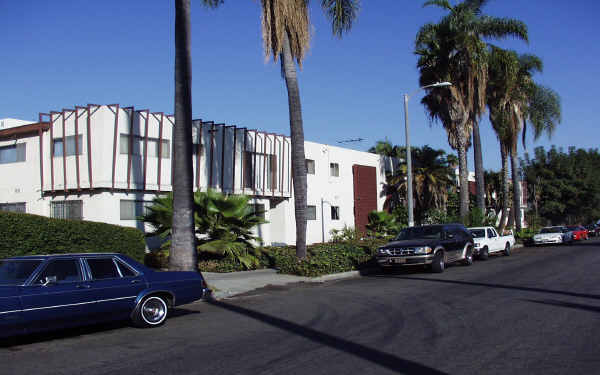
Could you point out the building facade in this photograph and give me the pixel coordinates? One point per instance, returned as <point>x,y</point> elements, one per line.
<point>106,163</point>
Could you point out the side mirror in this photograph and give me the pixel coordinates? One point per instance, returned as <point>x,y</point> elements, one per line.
<point>49,280</point>
<point>450,236</point>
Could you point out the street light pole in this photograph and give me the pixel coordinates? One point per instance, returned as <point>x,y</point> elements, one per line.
<point>409,177</point>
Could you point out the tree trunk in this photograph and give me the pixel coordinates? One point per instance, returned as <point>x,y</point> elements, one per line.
<point>479,177</point>
<point>297,135</point>
<point>505,192</point>
<point>514,164</point>
<point>463,177</point>
<point>183,256</point>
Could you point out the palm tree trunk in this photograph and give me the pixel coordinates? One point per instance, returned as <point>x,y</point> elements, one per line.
<point>297,135</point>
<point>479,178</point>
<point>505,192</point>
<point>183,256</point>
<point>516,186</point>
<point>463,177</point>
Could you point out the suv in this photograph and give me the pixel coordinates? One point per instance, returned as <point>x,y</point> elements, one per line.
<point>434,245</point>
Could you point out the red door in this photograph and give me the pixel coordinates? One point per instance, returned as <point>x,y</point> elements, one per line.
<point>365,194</point>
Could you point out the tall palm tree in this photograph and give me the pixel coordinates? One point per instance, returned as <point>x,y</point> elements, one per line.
<point>515,100</point>
<point>453,50</point>
<point>286,36</point>
<point>183,256</point>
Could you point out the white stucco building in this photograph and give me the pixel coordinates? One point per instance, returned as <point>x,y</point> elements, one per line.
<point>105,162</point>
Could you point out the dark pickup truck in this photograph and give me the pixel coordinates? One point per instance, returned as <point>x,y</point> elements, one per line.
<point>429,245</point>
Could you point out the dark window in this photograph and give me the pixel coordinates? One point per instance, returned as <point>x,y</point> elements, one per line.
<point>311,212</point>
<point>491,233</point>
<point>132,209</point>
<point>13,207</point>
<point>65,270</point>
<point>102,268</point>
<point>258,210</point>
<point>138,146</point>
<point>17,271</point>
<point>58,148</point>
<point>272,172</point>
<point>12,154</point>
<point>335,212</point>
<point>249,172</point>
<point>67,210</point>
<point>334,169</point>
<point>310,166</point>
<point>125,270</point>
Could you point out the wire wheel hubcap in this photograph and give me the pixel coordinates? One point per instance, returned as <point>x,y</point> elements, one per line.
<point>154,310</point>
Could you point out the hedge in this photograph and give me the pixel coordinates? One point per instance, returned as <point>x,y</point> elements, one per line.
<point>25,234</point>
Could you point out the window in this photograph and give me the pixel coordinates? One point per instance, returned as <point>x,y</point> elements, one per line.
<point>272,172</point>
<point>335,212</point>
<point>13,207</point>
<point>258,210</point>
<point>125,270</point>
<point>58,147</point>
<point>12,154</point>
<point>491,233</point>
<point>334,169</point>
<point>65,270</point>
<point>67,210</point>
<point>132,209</point>
<point>310,166</point>
<point>311,212</point>
<point>249,169</point>
<point>103,268</point>
<point>138,146</point>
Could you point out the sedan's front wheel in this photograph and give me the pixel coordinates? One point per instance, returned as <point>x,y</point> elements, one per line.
<point>151,312</point>
<point>437,266</point>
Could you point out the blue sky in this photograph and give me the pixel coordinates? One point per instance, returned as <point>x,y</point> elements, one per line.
<point>58,54</point>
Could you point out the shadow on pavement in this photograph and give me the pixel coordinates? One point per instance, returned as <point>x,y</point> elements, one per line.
<point>499,286</point>
<point>571,305</point>
<point>11,343</point>
<point>380,358</point>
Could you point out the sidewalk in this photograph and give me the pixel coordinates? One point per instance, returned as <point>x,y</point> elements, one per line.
<point>225,285</point>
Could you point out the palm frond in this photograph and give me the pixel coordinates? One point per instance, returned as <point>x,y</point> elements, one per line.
<point>341,14</point>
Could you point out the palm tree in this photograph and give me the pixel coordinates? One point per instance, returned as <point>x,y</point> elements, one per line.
<point>286,35</point>
<point>514,100</point>
<point>183,256</point>
<point>452,50</point>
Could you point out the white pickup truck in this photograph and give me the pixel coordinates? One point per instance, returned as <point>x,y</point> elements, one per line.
<point>488,241</point>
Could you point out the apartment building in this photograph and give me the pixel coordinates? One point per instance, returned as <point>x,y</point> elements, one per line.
<point>106,163</point>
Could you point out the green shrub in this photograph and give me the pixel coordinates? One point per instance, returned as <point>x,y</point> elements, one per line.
<point>525,236</point>
<point>25,234</point>
<point>345,234</point>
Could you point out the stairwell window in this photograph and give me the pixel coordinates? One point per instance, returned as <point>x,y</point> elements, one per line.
<point>258,210</point>
<point>311,212</point>
<point>138,146</point>
<point>12,154</point>
<point>335,212</point>
<point>310,166</point>
<point>334,169</point>
<point>58,146</point>
<point>13,207</point>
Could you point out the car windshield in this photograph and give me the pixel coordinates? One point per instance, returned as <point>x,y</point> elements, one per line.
<point>425,232</point>
<point>573,228</point>
<point>14,272</point>
<point>552,230</point>
<point>477,233</point>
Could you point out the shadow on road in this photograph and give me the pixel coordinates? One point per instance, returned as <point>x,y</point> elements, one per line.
<point>12,343</point>
<point>498,286</point>
<point>571,305</point>
<point>380,358</point>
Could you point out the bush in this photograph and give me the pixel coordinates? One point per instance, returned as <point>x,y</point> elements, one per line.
<point>525,236</point>
<point>25,234</point>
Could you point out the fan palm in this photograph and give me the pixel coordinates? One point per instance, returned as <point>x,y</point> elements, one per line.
<point>286,36</point>
<point>515,100</point>
<point>452,50</point>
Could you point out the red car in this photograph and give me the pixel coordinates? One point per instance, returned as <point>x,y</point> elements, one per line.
<point>579,232</point>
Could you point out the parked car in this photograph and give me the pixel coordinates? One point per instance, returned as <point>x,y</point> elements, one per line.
<point>40,293</point>
<point>430,245</point>
<point>579,232</point>
<point>488,241</point>
<point>553,235</point>
<point>592,230</point>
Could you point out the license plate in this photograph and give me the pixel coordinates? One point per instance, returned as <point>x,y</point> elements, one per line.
<point>398,260</point>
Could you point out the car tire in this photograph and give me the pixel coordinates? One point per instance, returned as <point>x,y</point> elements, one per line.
<point>468,257</point>
<point>484,254</point>
<point>507,249</point>
<point>151,312</point>
<point>437,266</point>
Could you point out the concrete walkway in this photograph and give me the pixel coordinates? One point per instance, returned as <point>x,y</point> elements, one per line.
<point>225,285</point>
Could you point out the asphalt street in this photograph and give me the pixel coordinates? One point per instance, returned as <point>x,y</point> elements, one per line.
<point>535,312</point>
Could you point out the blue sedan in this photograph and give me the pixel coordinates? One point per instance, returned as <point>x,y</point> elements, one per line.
<point>40,293</point>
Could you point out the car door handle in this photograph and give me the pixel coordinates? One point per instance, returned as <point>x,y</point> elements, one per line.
<point>135,281</point>
<point>83,286</point>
